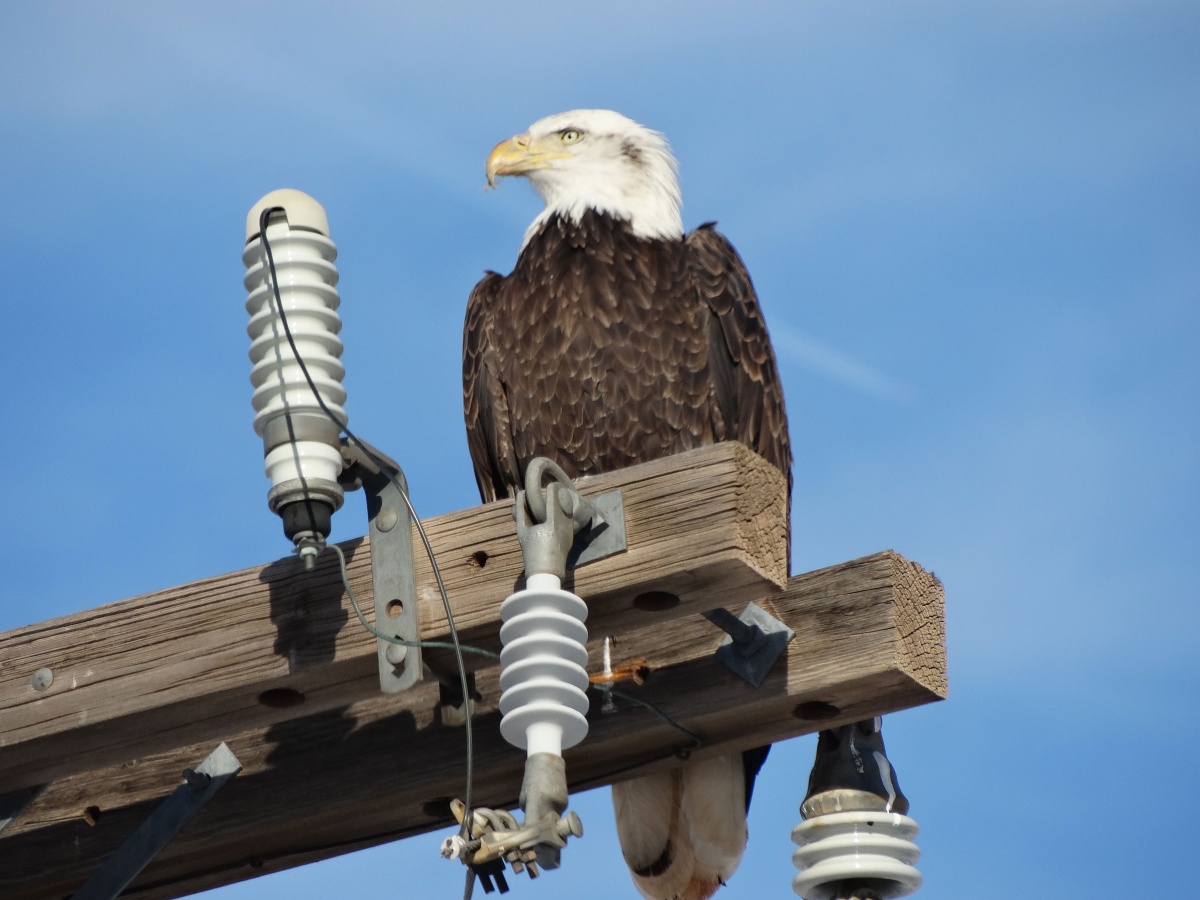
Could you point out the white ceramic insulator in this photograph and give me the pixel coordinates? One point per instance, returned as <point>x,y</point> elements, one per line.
<point>312,459</point>
<point>542,675</point>
<point>304,266</point>
<point>851,845</point>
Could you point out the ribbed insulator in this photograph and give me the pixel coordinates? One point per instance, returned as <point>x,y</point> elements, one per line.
<point>542,678</point>
<point>304,266</point>
<point>861,846</point>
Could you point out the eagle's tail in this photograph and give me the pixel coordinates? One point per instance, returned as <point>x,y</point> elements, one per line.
<point>683,831</point>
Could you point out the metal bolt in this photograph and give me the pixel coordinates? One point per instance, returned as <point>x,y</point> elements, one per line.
<point>42,679</point>
<point>747,638</point>
<point>395,653</point>
<point>387,518</point>
<point>571,825</point>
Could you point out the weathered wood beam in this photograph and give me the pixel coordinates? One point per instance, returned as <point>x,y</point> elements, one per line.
<point>869,640</point>
<point>194,663</point>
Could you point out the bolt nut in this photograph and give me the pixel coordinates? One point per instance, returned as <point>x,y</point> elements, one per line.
<point>452,847</point>
<point>387,519</point>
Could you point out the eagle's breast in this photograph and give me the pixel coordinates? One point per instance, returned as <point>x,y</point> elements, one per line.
<point>603,348</point>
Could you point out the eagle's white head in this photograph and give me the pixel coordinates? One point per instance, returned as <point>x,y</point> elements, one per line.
<point>596,159</point>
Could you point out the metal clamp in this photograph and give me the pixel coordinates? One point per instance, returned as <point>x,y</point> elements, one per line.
<point>496,837</point>
<point>559,528</point>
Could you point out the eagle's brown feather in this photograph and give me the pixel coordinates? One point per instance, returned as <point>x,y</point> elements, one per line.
<point>602,350</point>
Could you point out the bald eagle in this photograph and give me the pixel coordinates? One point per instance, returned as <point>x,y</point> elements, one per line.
<point>619,339</point>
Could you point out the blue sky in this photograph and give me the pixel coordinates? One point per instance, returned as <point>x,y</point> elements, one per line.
<point>975,232</point>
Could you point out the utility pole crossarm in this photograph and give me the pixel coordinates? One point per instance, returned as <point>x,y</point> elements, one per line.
<point>102,710</point>
<point>869,639</point>
<point>195,663</point>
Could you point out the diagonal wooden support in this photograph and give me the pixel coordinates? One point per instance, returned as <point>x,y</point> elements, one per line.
<point>869,640</point>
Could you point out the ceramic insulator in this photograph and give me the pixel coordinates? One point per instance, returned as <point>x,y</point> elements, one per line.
<point>542,676</point>
<point>304,266</point>
<point>855,846</point>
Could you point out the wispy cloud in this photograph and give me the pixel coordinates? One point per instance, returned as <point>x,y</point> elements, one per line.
<point>798,348</point>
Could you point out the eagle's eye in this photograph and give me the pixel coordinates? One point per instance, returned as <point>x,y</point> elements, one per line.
<point>570,136</point>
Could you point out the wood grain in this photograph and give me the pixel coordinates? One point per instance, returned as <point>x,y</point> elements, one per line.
<point>189,664</point>
<point>869,640</point>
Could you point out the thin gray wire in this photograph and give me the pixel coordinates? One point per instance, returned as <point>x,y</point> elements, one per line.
<point>696,742</point>
<point>462,669</point>
<point>431,645</point>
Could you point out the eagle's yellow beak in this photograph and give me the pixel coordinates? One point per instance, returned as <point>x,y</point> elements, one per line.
<point>520,155</point>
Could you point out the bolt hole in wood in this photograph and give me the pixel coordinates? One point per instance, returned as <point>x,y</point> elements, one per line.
<point>479,558</point>
<point>280,698</point>
<point>91,815</point>
<point>815,711</point>
<point>437,808</point>
<point>655,601</point>
<point>395,608</point>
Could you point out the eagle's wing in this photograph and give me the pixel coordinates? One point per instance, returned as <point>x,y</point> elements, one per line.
<point>485,400</point>
<point>745,375</point>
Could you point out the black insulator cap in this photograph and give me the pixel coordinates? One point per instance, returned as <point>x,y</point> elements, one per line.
<point>852,757</point>
<point>306,515</point>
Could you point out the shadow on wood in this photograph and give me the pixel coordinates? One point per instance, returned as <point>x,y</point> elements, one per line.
<point>270,661</point>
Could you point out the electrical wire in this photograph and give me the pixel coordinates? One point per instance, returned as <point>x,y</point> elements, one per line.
<point>424,645</point>
<point>696,743</point>
<point>383,467</point>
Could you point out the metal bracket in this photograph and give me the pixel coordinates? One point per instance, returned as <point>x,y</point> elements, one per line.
<point>14,803</point>
<point>393,579</point>
<point>603,536</point>
<point>755,641</point>
<point>164,823</point>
